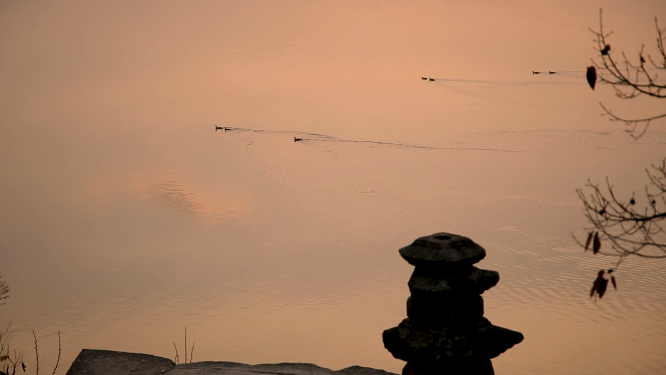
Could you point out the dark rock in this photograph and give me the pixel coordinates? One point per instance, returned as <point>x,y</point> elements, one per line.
<point>107,362</point>
<point>360,370</point>
<point>210,367</point>
<point>445,332</point>
<point>442,249</point>
<point>468,280</point>
<point>445,312</point>
<point>480,367</point>
<point>231,368</point>
<point>448,346</point>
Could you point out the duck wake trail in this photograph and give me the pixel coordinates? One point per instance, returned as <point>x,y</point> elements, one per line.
<point>316,137</point>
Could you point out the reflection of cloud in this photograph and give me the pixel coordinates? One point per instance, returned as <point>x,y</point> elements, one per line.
<point>206,204</point>
<point>195,204</point>
<point>175,196</point>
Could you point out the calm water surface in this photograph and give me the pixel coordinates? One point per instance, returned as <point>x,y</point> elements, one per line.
<point>124,217</point>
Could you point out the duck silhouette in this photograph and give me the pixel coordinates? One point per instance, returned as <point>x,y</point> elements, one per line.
<point>297,139</point>
<point>551,72</point>
<point>220,128</point>
<point>533,72</point>
<point>424,78</point>
<point>432,79</point>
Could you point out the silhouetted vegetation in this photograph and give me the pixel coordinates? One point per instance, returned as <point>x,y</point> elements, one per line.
<point>177,357</point>
<point>630,79</point>
<point>4,291</point>
<point>12,359</point>
<point>629,225</point>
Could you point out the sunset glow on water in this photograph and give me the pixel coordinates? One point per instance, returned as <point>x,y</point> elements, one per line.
<point>125,217</point>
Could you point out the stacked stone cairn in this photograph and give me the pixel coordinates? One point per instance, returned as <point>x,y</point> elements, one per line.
<point>445,332</point>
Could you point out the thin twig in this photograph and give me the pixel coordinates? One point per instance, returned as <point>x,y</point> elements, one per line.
<point>177,358</point>
<point>36,353</point>
<point>59,352</point>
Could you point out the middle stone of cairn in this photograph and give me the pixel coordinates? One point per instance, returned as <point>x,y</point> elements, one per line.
<point>445,331</point>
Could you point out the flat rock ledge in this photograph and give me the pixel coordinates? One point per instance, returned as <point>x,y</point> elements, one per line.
<point>107,362</point>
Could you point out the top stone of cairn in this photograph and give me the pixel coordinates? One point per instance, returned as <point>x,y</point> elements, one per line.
<point>442,249</point>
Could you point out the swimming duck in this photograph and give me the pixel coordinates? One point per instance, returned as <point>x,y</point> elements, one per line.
<point>297,139</point>
<point>432,79</point>
<point>424,78</point>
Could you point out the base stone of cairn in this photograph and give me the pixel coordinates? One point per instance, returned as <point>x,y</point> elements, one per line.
<point>445,332</point>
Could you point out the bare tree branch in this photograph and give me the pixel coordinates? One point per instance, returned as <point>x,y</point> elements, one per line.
<point>631,79</point>
<point>4,291</point>
<point>633,227</point>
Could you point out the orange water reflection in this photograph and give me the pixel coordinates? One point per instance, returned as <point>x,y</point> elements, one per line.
<point>125,217</point>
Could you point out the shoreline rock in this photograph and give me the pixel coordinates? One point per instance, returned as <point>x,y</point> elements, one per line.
<point>108,362</point>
